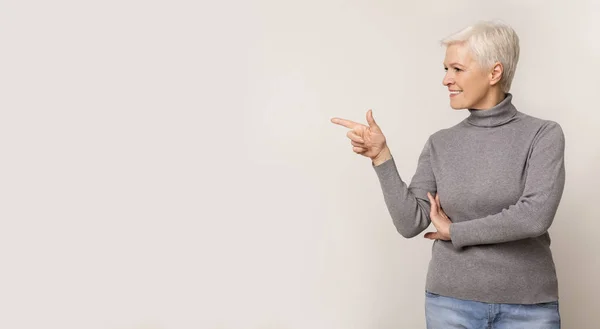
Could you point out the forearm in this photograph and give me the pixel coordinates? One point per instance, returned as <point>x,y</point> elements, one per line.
<point>408,207</point>
<point>523,220</point>
<point>512,224</point>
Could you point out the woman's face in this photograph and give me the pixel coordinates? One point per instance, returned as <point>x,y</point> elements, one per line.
<point>467,83</point>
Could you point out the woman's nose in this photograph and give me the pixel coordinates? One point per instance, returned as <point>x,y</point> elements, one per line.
<point>447,80</point>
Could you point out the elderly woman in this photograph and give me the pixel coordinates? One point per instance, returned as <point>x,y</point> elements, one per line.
<point>497,177</point>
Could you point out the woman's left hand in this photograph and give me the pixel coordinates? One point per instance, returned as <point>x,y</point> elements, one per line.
<point>439,219</point>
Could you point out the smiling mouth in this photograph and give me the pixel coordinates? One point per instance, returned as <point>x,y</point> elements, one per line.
<point>455,92</point>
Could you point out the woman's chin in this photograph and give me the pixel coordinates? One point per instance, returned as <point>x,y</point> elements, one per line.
<point>456,105</point>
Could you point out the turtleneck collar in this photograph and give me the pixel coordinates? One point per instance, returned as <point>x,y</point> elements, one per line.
<point>498,115</point>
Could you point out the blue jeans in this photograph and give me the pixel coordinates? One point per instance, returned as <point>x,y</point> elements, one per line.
<point>448,313</point>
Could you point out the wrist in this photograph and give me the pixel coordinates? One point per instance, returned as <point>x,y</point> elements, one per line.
<point>382,157</point>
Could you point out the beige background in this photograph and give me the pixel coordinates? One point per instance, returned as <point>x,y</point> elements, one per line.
<point>170,164</point>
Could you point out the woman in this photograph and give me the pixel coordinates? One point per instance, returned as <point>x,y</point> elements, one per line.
<point>498,178</point>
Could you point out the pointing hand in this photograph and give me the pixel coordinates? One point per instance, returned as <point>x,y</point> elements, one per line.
<point>368,141</point>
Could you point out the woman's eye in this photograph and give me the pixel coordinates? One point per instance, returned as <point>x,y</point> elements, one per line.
<point>457,69</point>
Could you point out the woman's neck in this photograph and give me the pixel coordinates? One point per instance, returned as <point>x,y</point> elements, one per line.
<point>491,99</point>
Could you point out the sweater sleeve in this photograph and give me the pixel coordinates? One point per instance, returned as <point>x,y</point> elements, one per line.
<point>408,206</point>
<point>534,212</point>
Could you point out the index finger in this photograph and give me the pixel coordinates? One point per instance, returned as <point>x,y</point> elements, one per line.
<point>345,123</point>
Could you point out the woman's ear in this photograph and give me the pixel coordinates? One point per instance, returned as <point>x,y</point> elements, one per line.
<point>496,73</point>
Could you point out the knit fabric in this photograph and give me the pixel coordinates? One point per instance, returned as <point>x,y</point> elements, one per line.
<point>500,175</point>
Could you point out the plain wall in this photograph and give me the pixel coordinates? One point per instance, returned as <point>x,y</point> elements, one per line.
<point>172,165</point>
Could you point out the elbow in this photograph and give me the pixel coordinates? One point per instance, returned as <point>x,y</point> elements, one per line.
<point>410,225</point>
<point>534,231</point>
<point>539,231</point>
<point>407,234</point>
<point>537,220</point>
<point>542,223</point>
<point>408,231</point>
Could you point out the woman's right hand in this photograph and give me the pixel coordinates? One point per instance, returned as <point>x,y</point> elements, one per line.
<point>368,141</point>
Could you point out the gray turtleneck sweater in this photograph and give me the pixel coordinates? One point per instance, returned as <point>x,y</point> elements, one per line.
<point>500,176</point>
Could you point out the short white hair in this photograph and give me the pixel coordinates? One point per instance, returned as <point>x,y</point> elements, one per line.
<point>491,42</point>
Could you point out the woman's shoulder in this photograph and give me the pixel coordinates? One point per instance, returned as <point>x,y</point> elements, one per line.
<point>447,132</point>
<point>540,126</point>
<point>537,121</point>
